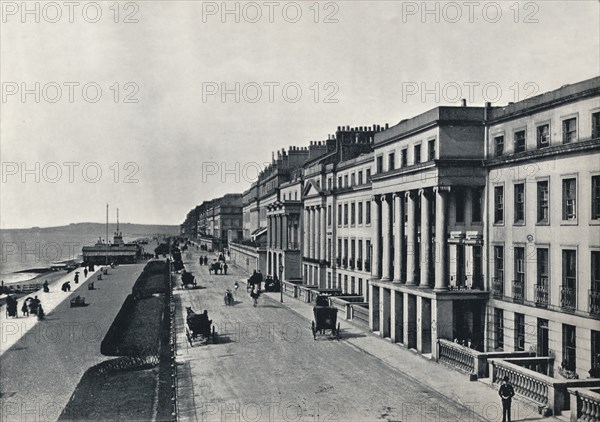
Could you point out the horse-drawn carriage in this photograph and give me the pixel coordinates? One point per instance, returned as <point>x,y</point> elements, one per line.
<point>188,279</point>
<point>199,327</point>
<point>325,318</point>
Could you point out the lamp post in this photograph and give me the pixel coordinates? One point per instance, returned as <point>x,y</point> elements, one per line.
<point>281,282</point>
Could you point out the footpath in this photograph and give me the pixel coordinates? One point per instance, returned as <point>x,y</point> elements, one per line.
<point>12,329</point>
<point>480,397</point>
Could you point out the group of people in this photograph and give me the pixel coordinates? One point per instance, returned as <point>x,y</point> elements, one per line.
<point>30,306</point>
<point>203,260</point>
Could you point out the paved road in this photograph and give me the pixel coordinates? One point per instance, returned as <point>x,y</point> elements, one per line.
<point>268,367</point>
<point>42,368</point>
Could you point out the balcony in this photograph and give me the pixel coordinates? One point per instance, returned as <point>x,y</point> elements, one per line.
<point>359,264</point>
<point>345,262</point>
<point>367,265</point>
<point>541,293</point>
<point>498,287</point>
<point>351,263</point>
<point>518,291</point>
<point>338,262</point>
<point>568,299</point>
<point>594,302</point>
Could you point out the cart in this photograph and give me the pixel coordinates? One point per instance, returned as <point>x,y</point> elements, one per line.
<point>199,329</point>
<point>325,318</point>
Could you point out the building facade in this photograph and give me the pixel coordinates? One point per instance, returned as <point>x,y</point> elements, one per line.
<point>544,226</point>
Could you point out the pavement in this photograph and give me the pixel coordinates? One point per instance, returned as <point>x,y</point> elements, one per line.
<point>266,366</point>
<point>12,329</point>
<point>42,362</point>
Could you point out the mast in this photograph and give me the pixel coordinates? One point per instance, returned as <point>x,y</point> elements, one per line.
<point>107,244</point>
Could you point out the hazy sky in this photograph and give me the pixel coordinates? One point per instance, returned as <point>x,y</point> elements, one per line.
<point>369,67</point>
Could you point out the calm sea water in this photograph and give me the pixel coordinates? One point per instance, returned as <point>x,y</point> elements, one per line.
<point>29,249</point>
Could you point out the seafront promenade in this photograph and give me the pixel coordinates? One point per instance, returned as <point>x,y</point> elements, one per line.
<point>12,329</point>
<point>42,361</point>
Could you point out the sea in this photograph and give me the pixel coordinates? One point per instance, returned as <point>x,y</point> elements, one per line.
<point>25,253</point>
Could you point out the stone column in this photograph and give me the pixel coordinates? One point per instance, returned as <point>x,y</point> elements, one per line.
<point>376,235</point>
<point>425,238</point>
<point>398,237</point>
<point>306,228</point>
<point>317,218</point>
<point>323,232</point>
<point>269,232</point>
<point>441,223</point>
<point>284,232</point>
<point>386,230</point>
<point>311,240</point>
<point>411,244</point>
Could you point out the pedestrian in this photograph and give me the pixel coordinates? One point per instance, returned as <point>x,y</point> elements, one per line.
<point>66,287</point>
<point>11,306</point>
<point>85,272</point>
<point>46,287</point>
<point>506,393</point>
<point>25,308</point>
<point>76,278</point>
<point>225,268</point>
<point>40,312</point>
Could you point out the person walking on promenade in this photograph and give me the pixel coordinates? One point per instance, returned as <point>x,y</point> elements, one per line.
<point>46,287</point>
<point>506,393</point>
<point>225,268</point>
<point>25,307</point>
<point>76,278</point>
<point>11,306</point>
<point>40,312</point>
<point>85,272</point>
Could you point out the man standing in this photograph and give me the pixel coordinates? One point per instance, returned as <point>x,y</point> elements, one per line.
<point>506,393</point>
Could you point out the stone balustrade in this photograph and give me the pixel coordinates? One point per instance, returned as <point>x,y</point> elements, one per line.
<point>585,404</point>
<point>360,313</point>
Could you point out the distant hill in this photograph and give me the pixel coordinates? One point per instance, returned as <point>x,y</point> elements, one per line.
<point>128,229</point>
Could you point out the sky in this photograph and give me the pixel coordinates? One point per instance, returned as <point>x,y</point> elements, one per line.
<point>156,106</point>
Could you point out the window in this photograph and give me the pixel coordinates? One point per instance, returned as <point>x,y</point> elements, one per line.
<point>391,161</point>
<point>570,199</point>
<point>476,205</point>
<point>339,251</point>
<point>543,136</point>
<point>499,263</point>
<point>595,197</point>
<point>360,250</point>
<point>380,164</point>
<point>345,180</point>
<point>339,182</point>
<point>543,266</point>
<point>519,141</point>
<point>431,149</point>
<point>519,332</point>
<point>345,249</point>
<point>352,179</point>
<point>329,183</point>
<point>352,285</point>
<point>417,152</point>
<point>569,286</point>
<point>345,214</point>
<point>404,158</point>
<point>460,206</point>
<point>498,204</point>
<point>352,250</point>
<point>360,282</point>
<point>368,252</point>
<point>360,177</point>
<point>499,329</point>
<point>542,202</point>
<point>499,145</point>
<point>595,271</point>
<point>519,282</point>
<point>368,212</point>
<point>329,217</point>
<point>339,215</point>
<point>353,213</point>
<point>596,125</point>
<point>520,203</point>
<point>569,130</point>
<point>368,175</point>
<point>569,347</point>
<point>360,213</point>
